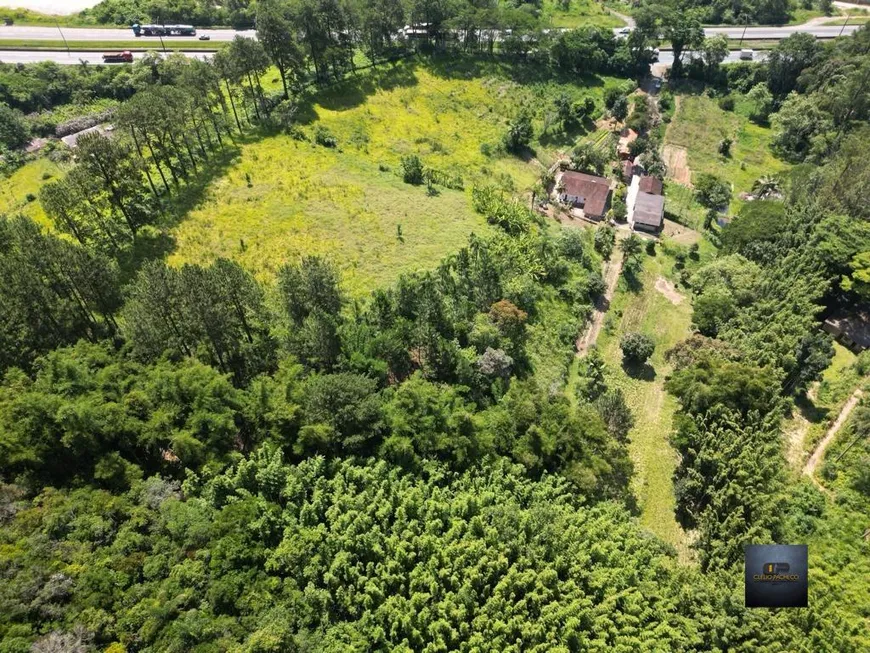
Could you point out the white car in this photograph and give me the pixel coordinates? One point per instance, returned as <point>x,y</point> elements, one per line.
<point>747,54</point>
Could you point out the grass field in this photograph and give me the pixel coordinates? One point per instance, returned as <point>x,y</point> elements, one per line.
<point>699,125</point>
<point>28,179</point>
<point>648,311</point>
<point>580,12</point>
<point>285,198</point>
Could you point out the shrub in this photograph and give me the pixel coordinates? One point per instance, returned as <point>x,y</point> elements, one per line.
<point>324,137</point>
<point>726,103</point>
<point>412,169</point>
<point>636,347</point>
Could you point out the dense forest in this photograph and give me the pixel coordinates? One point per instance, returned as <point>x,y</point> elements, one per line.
<point>198,459</point>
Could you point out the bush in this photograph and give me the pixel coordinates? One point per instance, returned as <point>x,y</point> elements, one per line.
<point>711,191</point>
<point>324,137</point>
<point>412,169</point>
<point>636,347</point>
<point>726,103</point>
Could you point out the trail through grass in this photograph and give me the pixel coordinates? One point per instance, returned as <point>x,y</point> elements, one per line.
<point>648,311</point>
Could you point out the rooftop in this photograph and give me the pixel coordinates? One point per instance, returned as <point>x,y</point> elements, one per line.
<point>651,185</point>
<point>649,209</point>
<point>594,190</point>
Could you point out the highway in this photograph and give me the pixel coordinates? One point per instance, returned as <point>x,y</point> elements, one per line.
<point>43,33</point>
<point>31,56</point>
<point>75,58</point>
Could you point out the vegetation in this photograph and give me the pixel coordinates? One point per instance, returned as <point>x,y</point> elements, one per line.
<point>289,362</point>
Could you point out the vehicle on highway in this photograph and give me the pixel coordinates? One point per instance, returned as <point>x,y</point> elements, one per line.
<point>746,54</point>
<point>8,22</point>
<point>625,31</point>
<point>205,37</point>
<point>118,57</point>
<point>163,30</point>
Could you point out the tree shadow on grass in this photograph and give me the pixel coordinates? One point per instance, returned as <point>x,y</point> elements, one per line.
<point>354,91</point>
<point>519,70</point>
<point>809,411</point>
<point>640,371</point>
<point>157,242</point>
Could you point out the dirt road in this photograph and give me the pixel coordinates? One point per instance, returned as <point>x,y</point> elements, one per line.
<point>819,453</point>
<point>611,271</point>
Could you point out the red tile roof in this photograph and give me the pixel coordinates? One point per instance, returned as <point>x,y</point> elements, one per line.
<point>595,191</point>
<point>652,185</point>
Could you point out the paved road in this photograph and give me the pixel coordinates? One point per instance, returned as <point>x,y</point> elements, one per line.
<point>667,57</point>
<point>31,56</point>
<point>117,34</point>
<point>775,33</point>
<point>43,33</point>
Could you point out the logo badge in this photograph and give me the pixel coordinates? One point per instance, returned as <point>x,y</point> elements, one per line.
<point>775,575</point>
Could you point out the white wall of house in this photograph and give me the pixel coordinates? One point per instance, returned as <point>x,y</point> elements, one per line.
<point>631,199</point>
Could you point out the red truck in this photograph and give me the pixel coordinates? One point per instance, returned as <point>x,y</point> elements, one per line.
<point>118,57</point>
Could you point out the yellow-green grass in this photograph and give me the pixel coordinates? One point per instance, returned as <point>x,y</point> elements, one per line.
<point>348,203</point>
<point>27,180</point>
<point>700,125</point>
<point>648,311</point>
<point>580,13</point>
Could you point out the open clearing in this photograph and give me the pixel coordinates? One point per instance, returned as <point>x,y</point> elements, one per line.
<point>648,311</point>
<point>699,125</point>
<point>285,197</point>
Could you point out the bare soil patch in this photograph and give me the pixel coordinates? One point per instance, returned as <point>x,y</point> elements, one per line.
<point>667,289</point>
<point>676,158</point>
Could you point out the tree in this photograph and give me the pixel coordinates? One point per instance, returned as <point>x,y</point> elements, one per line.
<point>714,50</point>
<point>762,101</point>
<point>712,310</point>
<point>595,384</point>
<point>615,413</point>
<point>587,158</point>
<point>52,293</point>
<point>519,134</point>
<point>712,192</point>
<point>636,347</point>
<point>724,146</point>
<point>631,246</point>
<point>788,59</point>
<point>412,169</point>
<point>605,239</point>
<point>312,284</point>
<point>683,29</point>
<point>347,405</point>
<point>14,132</point>
<point>276,33</point>
<point>796,125</point>
<point>859,280</point>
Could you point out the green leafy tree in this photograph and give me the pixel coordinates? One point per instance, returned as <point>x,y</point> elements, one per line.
<point>636,347</point>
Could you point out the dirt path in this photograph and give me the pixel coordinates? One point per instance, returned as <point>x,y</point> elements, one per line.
<point>819,453</point>
<point>611,271</point>
<point>669,291</point>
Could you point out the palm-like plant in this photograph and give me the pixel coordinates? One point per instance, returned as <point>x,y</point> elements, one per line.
<point>766,186</point>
